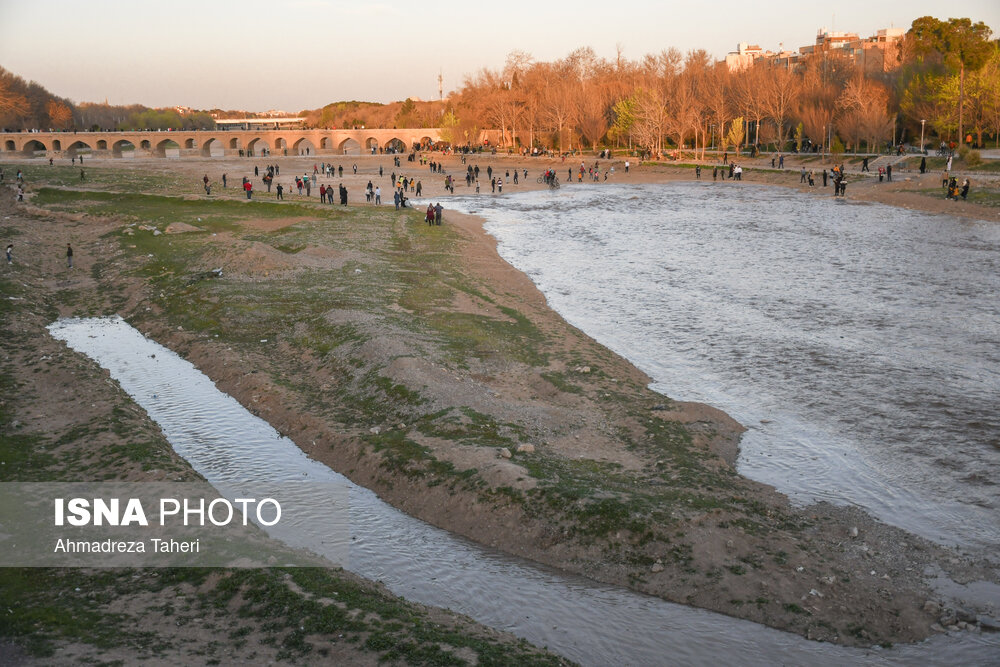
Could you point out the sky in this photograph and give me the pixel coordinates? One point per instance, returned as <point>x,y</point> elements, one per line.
<point>302,54</point>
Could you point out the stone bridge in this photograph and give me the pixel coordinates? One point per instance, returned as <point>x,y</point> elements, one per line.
<point>216,143</point>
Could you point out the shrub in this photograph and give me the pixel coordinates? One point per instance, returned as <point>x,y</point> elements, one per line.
<point>971,158</point>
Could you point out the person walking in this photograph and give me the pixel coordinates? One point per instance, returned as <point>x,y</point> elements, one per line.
<point>378,195</point>
<point>888,173</point>
<point>69,256</point>
<point>248,188</point>
<point>281,192</point>
<point>437,214</point>
<point>10,246</point>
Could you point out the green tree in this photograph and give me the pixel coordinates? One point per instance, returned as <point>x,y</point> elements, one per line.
<point>961,44</point>
<point>449,127</point>
<point>624,115</point>
<point>736,133</point>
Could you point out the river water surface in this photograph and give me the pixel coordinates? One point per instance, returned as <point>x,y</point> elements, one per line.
<point>859,343</point>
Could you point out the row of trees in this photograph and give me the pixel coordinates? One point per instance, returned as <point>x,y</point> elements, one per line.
<point>946,73</point>
<point>25,104</point>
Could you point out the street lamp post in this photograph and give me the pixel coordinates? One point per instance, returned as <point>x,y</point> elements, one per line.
<point>922,123</point>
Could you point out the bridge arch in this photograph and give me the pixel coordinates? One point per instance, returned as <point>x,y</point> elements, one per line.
<point>234,144</point>
<point>145,144</point>
<point>9,145</point>
<point>304,147</point>
<point>213,147</point>
<point>123,148</point>
<point>78,147</point>
<point>349,146</point>
<point>189,143</point>
<point>258,146</point>
<point>33,147</point>
<point>102,145</point>
<point>56,145</point>
<point>395,145</point>
<point>371,145</point>
<point>168,148</point>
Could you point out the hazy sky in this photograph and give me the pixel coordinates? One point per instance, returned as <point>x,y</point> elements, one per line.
<point>302,54</point>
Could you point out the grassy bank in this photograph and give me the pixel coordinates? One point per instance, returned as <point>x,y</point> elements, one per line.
<point>62,419</point>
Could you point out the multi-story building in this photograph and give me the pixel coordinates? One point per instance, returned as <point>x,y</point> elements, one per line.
<point>880,52</point>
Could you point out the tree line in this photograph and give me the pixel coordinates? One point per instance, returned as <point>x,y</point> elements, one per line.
<point>946,74</point>
<point>28,105</point>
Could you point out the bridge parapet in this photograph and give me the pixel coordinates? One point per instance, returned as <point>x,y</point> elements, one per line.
<point>218,143</point>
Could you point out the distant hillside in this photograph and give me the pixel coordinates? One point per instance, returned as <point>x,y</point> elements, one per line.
<point>28,105</point>
<point>408,114</point>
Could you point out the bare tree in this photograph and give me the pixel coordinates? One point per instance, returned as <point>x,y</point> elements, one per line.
<point>749,96</point>
<point>863,111</point>
<point>818,102</point>
<point>592,112</point>
<point>781,90</point>
<point>651,119</point>
<point>717,99</point>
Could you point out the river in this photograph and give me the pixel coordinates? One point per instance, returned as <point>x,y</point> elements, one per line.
<point>859,343</point>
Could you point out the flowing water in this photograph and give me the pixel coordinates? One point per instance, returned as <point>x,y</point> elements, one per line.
<point>591,623</point>
<point>859,343</point>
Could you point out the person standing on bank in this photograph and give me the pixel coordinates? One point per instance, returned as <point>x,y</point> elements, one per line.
<point>69,256</point>
<point>437,214</point>
<point>10,250</point>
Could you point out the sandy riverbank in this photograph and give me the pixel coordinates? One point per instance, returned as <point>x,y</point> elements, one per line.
<point>706,537</point>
